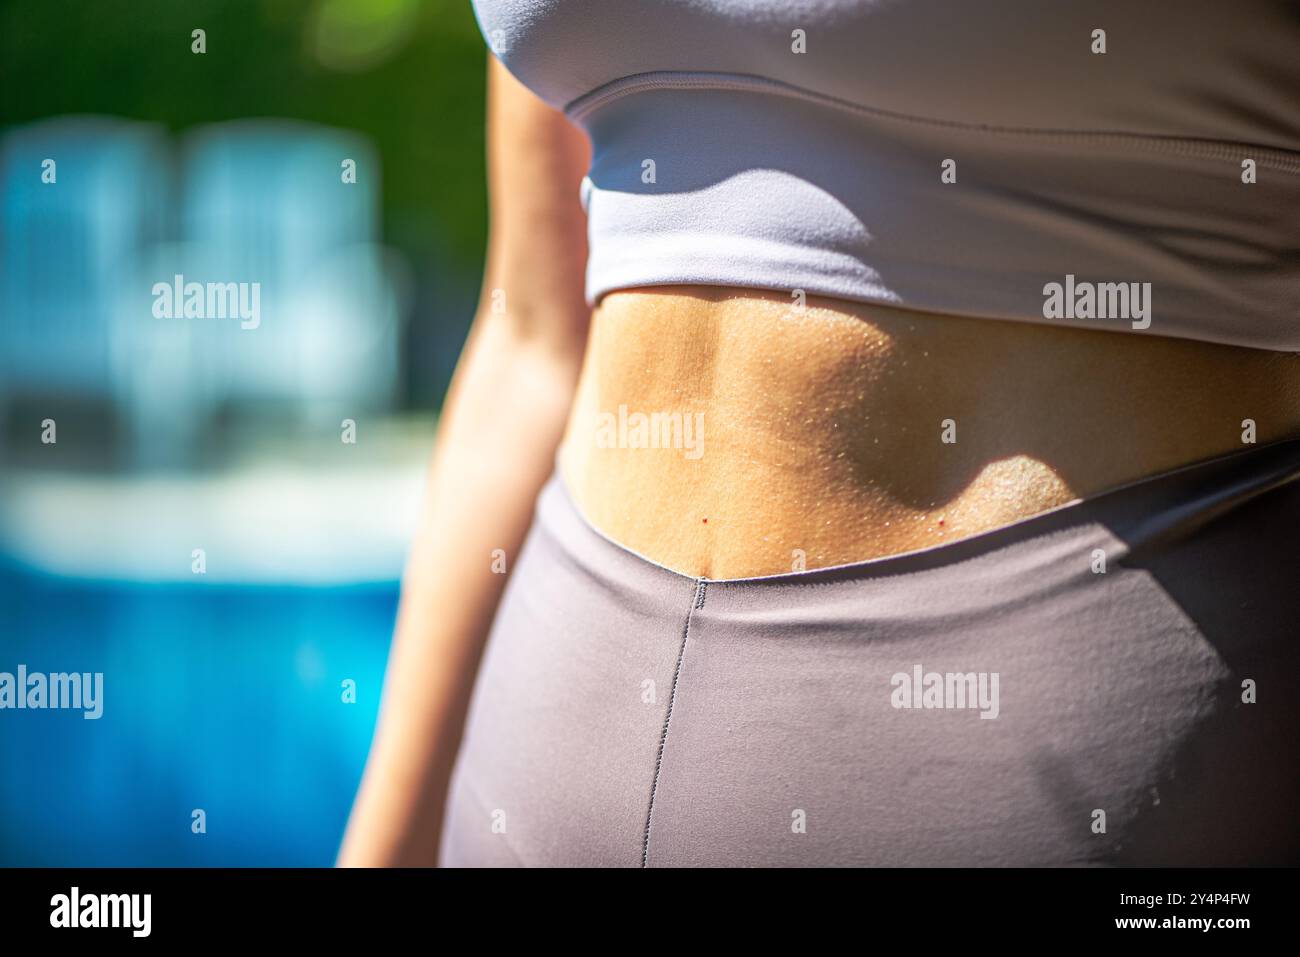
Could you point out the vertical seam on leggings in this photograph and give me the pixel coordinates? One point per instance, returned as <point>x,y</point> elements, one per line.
<point>672,698</point>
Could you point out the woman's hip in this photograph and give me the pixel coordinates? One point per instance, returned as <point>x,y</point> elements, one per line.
<point>1103,684</point>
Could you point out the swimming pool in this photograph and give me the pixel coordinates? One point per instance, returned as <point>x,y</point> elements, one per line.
<point>224,698</point>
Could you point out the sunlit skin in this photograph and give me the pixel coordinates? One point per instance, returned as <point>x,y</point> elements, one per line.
<point>823,426</point>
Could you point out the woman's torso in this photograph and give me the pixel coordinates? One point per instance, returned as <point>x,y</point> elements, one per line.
<point>726,433</point>
<point>951,161</point>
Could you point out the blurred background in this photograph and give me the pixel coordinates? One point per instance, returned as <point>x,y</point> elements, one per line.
<point>329,151</point>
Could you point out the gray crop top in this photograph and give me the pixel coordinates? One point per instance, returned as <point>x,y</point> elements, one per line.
<point>1129,165</point>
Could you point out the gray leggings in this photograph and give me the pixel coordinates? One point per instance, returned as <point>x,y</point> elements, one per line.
<point>1111,682</point>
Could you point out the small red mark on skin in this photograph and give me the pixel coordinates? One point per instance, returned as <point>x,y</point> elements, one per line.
<point>706,521</point>
<point>940,521</point>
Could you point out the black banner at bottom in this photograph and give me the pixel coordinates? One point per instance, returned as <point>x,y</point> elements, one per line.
<point>930,906</point>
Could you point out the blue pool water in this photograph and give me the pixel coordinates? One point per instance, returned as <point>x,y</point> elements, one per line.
<point>225,698</point>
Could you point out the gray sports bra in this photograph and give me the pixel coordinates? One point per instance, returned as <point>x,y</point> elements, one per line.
<point>1114,165</point>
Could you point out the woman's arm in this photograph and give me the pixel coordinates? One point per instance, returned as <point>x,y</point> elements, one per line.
<point>501,423</point>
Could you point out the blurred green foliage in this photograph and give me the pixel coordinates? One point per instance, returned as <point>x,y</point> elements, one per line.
<point>407,73</point>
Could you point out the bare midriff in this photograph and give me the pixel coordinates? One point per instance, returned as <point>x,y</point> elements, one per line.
<point>725,433</point>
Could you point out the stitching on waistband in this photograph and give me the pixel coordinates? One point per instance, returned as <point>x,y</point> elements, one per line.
<point>698,602</point>
<point>1265,156</point>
